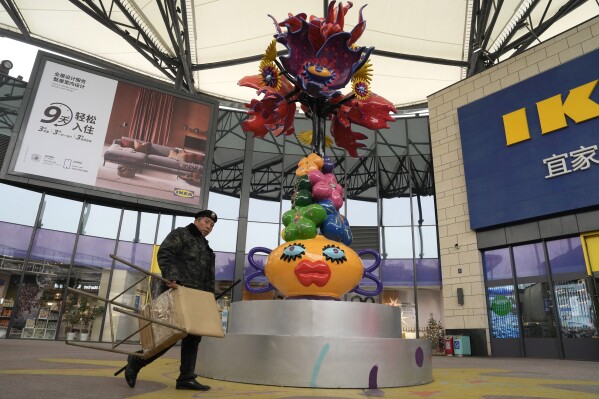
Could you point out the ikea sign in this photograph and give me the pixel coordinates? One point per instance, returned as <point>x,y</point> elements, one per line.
<point>532,150</point>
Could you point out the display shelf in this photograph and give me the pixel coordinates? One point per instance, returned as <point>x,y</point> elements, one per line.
<point>43,327</point>
<point>27,332</point>
<point>5,312</point>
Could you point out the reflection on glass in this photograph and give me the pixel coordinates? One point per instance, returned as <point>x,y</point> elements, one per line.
<point>536,309</point>
<point>90,272</point>
<point>165,225</point>
<point>139,227</point>
<point>529,260</point>
<point>100,221</point>
<point>228,132</point>
<point>128,226</point>
<point>182,221</point>
<point>262,235</point>
<point>361,213</point>
<point>497,264</point>
<point>575,310</point>
<point>224,236</point>
<point>94,252</point>
<point>53,246</point>
<point>400,272</point>
<point>427,210</point>
<point>225,266</point>
<point>122,278</point>
<point>392,142</point>
<point>396,243</point>
<point>138,254</point>
<point>566,256</point>
<point>264,211</point>
<point>426,247</point>
<point>396,211</point>
<point>147,227</point>
<point>61,214</point>
<point>225,206</point>
<point>503,312</point>
<point>18,205</point>
<point>14,240</point>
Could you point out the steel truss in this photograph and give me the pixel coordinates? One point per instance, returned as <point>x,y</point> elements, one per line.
<point>484,18</point>
<point>359,176</point>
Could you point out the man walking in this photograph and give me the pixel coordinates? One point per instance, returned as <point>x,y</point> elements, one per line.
<point>186,259</point>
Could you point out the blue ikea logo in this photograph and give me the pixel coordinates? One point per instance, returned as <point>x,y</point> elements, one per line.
<point>532,149</point>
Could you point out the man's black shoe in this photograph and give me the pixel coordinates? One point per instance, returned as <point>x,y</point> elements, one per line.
<point>192,385</point>
<point>131,371</point>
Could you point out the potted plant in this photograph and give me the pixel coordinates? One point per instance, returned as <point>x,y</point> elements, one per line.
<point>71,315</point>
<point>87,315</point>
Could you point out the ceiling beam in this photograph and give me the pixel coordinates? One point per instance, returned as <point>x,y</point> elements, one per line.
<point>526,40</point>
<point>380,53</point>
<point>14,13</point>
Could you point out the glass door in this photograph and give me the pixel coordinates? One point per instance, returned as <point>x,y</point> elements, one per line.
<point>537,308</point>
<point>578,319</point>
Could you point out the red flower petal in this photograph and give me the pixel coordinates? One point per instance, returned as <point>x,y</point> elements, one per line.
<point>346,138</point>
<point>372,113</point>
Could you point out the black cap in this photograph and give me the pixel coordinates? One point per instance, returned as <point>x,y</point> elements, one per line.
<point>207,214</point>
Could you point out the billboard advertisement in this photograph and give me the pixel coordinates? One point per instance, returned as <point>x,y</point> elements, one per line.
<point>531,150</point>
<point>86,129</point>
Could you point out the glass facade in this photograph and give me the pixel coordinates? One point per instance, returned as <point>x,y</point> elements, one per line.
<point>49,243</point>
<point>540,291</point>
<point>389,203</point>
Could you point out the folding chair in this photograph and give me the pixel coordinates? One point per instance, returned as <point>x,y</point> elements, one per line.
<point>164,320</point>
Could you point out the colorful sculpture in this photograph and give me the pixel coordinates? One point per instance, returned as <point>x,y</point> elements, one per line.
<point>322,59</point>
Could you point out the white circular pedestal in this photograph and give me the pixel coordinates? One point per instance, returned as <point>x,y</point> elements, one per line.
<point>311,343</point>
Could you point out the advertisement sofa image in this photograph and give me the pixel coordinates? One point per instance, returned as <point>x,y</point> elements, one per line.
<point>137,155</point>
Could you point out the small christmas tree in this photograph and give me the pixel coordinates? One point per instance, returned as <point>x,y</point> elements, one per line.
<point>435,333</point>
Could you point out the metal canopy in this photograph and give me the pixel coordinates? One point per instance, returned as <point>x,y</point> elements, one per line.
<point>207,46</point>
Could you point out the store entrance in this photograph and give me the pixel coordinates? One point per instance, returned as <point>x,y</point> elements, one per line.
<point>539,327</point>
<point>578,310</point>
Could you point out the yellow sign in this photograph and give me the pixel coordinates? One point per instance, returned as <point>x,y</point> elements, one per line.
<point>154,265</point>
<point>590,246</point>
<point>552,113</point>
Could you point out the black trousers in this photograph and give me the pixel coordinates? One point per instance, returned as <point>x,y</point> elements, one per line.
<point>189,355</point>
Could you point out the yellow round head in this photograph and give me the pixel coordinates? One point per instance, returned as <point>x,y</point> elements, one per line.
<point>314,267</point>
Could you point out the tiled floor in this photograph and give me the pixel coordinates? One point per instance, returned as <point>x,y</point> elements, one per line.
<point>50,369</point>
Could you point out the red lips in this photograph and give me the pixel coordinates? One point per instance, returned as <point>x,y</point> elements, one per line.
<point>308,272</point>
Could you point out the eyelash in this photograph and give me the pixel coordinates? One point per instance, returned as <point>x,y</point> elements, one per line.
<point>289,258</point>
<point>330,259</point>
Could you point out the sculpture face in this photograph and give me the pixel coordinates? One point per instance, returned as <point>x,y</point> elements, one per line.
<point>314,267</point>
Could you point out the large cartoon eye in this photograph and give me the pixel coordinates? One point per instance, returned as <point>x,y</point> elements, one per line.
<point>334,254</point>
<point>293,252</point>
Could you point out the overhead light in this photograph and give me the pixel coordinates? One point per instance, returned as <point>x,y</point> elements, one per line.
<point>5,66</point>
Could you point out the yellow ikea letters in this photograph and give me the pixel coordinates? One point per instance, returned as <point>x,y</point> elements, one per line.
<point>552,113</point>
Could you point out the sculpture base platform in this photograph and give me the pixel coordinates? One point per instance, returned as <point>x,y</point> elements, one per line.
<point>317,344</point>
